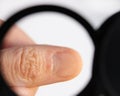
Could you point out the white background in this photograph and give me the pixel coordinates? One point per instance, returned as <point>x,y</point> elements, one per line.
<point>58,29</point>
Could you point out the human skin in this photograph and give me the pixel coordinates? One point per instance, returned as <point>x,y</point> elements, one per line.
<point>25,66</point>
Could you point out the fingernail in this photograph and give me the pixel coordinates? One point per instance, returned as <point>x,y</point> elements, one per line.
<point>67,63</point>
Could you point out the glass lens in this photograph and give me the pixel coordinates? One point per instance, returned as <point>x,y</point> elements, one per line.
<point>58,29</point>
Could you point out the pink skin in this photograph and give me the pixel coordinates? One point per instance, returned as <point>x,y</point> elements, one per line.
<point>56,63</point>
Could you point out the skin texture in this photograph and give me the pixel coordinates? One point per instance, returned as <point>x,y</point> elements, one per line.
<point>10,41</point>
<point>25,66</point>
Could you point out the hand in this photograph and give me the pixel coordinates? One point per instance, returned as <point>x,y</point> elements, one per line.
<point>25,66</point>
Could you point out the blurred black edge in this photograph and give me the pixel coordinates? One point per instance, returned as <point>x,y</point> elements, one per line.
<point>4,89</point>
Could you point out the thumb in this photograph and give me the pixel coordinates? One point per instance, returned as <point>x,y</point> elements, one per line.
<point>31,66</point>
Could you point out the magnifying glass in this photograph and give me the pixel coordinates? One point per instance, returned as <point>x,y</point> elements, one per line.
<point>96,86</point>
<point>59,10</point>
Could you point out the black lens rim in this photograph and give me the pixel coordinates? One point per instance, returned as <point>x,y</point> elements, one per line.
<point>44,8</point>
<point>47,8</point>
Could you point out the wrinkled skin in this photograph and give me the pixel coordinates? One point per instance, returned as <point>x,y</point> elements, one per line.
<point>25,66</point>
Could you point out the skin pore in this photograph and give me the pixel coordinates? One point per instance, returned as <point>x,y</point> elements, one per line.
<point>31,65</point>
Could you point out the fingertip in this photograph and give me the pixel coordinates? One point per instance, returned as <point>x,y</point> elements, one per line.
<point>69,64</point>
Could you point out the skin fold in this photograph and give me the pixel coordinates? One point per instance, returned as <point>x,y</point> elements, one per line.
<point>25,66</point>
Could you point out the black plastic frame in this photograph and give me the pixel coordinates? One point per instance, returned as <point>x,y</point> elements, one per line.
<point>35,9</point>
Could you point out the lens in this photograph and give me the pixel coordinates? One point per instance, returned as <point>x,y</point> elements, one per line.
<point>54,28</point>
<point>58,29</point>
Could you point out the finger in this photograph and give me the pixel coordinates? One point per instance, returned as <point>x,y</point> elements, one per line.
<point>15,36</point>
<point>31,66</point>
